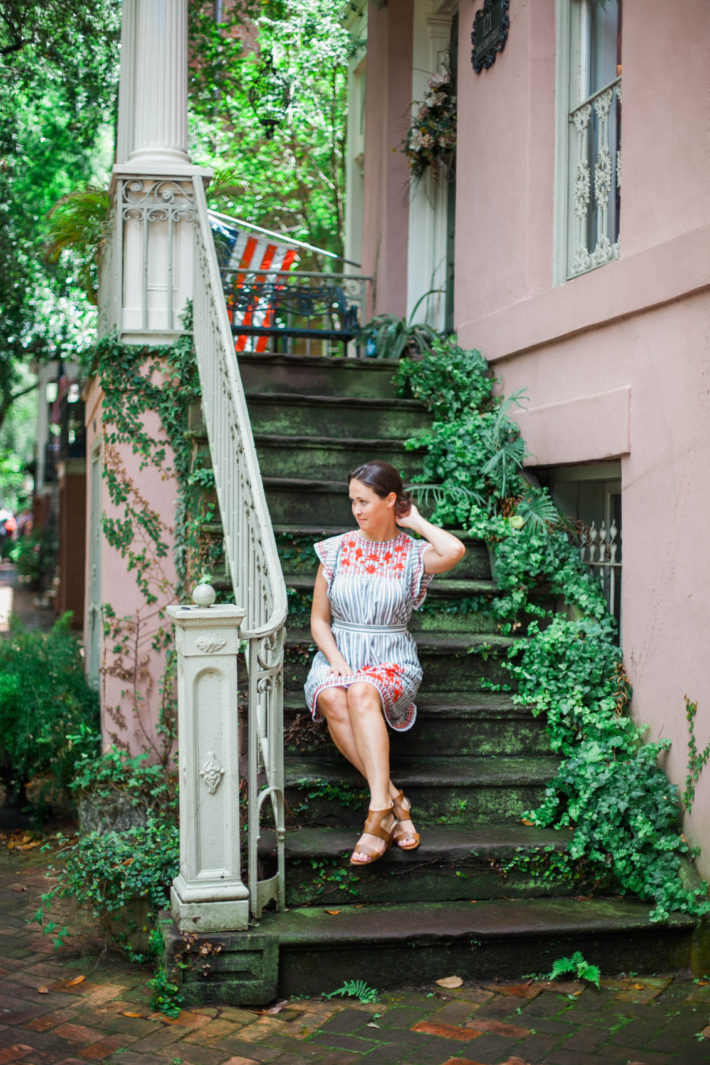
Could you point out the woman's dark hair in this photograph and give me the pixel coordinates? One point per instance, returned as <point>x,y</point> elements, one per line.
<point>383,478</point>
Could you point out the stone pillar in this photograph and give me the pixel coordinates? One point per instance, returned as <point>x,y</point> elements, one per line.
<point>152,181</point>
<point>152,120</point>
<point>208,895</point>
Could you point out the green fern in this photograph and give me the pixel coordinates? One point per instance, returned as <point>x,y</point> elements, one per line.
<point>577,967</point>
<point>355,989</point>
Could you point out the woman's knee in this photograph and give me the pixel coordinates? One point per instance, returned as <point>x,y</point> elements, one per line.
<point>332,704</point>
<point>363,697</point>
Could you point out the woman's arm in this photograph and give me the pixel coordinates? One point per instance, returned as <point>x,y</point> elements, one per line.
<point>445,549</point>
<point>320,627</point>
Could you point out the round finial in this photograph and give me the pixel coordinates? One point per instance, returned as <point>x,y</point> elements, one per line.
<point>203,594</point>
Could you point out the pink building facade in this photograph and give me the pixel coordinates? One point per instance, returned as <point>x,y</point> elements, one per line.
<point>575,245</point>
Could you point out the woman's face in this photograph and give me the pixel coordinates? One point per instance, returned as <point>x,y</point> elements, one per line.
<point>374,514</point>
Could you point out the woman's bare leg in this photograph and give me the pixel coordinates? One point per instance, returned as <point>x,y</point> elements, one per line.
<point>333,706</point>
<point>372,744</point>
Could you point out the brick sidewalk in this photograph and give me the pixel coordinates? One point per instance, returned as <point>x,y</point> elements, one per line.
<point>16,598</point>
<point>85,1004</point>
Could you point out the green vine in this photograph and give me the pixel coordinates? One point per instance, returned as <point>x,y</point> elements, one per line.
<point>697,760</point>
<point>609,790</point>
<point>148,395</point>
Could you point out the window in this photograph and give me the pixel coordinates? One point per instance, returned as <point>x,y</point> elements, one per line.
<point>589,134</point>
<point>591,496</point>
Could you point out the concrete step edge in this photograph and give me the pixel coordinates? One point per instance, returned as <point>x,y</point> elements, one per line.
<point>484,920</point>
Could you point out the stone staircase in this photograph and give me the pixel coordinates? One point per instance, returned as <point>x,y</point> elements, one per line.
<point>471,766</point>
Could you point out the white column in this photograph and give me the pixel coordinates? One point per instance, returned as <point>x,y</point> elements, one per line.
<point>153,177</point>
<point>152,126</point>
<point>208,895</point>
<point>126,85</point>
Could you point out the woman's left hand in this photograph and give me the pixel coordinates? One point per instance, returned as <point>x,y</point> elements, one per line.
<point>411,520</point>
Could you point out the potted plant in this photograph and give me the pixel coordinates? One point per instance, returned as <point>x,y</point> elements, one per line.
<point>387,336</point>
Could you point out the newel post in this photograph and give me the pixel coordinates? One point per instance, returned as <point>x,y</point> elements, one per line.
<point>208,895</point>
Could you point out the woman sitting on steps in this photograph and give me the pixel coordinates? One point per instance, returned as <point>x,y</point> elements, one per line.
<point>366,672</point>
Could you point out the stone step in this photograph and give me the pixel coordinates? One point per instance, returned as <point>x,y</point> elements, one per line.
<point>326,458</point>
<point>311,951</point>
<point>485,725</point>
<point>295,546</point>
<point>474,660</point>
<point>452,863</point>
<point>313,415</point>
<point>442,790</point>
<point>452,605</point>
<point>318,375</point>
<point>298,500</point>
<point>295,543</point>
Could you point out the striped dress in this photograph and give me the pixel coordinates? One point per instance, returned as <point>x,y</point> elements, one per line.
<point>373,588</point>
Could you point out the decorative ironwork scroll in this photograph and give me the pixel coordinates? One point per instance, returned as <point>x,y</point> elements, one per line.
<point>490,32</point>
<point>597,178</point>
<point>601,550</point>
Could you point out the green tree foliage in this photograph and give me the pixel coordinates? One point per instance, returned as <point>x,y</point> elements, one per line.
<point>294,180</point>
<point>58,71</point>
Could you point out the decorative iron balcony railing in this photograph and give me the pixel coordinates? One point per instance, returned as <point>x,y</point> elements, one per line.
<point>318,312</point>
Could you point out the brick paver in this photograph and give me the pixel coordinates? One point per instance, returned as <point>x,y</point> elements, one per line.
<point>85,1004</point>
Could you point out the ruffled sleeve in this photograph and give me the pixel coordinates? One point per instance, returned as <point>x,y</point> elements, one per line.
<point>327,552</point>
<point>419,580</point>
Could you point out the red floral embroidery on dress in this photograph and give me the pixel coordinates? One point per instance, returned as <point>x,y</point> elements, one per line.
<point>385,559</point>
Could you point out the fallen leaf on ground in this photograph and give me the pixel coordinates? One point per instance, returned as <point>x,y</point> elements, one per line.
<point>42,990</point>
<point>450,981</point>
<point>371,1024</point>
<point>131,1013</point>
<point>76,980</point>
<point>18,887</point>
<point>333,912</point>
<point>276,1008</point>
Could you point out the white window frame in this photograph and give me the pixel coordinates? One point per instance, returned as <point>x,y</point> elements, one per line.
<point>427,245</point>
<point>573,178</point>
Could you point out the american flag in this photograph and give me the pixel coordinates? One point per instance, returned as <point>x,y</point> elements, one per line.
<point>246,253</point>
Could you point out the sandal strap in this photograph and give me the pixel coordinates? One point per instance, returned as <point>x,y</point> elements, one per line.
<point>400,810</point>
<point>374,824</point>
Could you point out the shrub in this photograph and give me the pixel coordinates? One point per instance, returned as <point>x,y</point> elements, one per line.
<point>35,557</point>
<point>124,879</point>
<point>49,715</point>
<point>609,790</point>
<point>122,789</point>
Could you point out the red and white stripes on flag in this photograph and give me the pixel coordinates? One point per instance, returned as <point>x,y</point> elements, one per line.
<point>259,257</point>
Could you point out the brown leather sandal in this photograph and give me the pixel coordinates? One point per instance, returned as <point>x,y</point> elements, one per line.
<point>374,826</point>
<point>404,813</point>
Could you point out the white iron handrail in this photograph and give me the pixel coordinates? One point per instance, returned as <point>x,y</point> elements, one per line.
<point>250,550</point>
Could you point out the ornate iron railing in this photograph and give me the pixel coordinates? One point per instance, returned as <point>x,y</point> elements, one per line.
<point>597,180</point>
<point>601,550</point>
<point>250,550</point>
<point>317,310</point>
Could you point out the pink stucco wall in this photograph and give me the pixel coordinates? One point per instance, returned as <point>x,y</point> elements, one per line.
<point>616,363</point>
<point>388,96</point>
<point>130,681</point>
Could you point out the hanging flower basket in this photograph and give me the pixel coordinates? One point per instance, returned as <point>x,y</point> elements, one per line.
<point>431,139</point>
